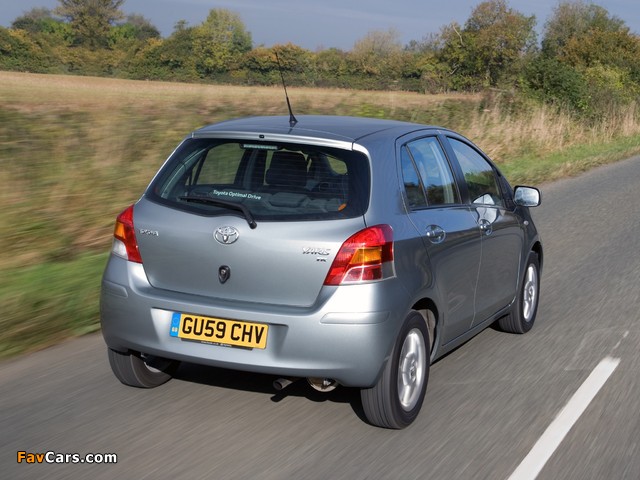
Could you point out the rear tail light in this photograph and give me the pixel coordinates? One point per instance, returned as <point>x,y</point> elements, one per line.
<point>366,256</point>
<point>125,244</point>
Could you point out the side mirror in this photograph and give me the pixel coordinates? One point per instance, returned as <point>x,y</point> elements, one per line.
<point>527,196</point>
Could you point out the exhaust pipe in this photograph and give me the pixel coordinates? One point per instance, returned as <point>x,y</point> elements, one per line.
<point>323,385</point>
<point>282,383</point>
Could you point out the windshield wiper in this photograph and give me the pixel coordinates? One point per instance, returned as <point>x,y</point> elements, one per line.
<point>225,203</point>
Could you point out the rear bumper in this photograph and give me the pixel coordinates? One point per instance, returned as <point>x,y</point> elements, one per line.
<point>347,335</point>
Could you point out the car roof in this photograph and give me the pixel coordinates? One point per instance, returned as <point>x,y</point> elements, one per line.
<point>331,127</point>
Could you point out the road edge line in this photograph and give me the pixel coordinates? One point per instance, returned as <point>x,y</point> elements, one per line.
<point>547,444</point>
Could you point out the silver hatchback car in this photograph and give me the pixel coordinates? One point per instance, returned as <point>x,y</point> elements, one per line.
<point>347,251</point>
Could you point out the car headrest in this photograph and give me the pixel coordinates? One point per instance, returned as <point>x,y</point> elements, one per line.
<point>287,169</point>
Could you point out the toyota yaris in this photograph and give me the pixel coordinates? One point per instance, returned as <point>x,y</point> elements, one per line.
<point>345,251</point>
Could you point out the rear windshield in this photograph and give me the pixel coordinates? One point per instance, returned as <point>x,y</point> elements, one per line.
<point>272,181</point>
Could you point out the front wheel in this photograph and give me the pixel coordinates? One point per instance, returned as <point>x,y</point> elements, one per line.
<point>143,371</point>
<point>395,401</point>
<point>525,308</point>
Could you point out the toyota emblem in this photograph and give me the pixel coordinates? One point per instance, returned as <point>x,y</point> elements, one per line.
<point>226,235</point>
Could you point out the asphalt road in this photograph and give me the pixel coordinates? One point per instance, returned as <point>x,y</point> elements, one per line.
<point>487,403</point>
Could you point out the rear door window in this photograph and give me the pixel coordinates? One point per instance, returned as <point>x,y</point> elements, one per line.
<point>274,181</point>
<point>428,178</point>
<point>412,184</point>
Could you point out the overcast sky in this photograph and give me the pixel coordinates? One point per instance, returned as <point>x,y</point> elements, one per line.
<point>314,24</point>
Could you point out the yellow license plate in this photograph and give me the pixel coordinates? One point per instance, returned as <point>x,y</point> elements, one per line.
<point>219,331</point>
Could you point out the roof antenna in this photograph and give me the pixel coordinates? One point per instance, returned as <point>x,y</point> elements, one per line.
<point>292,118</point>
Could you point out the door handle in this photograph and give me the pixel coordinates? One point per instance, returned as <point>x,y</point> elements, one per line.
<point>485,226</point>
<point>435,234</point>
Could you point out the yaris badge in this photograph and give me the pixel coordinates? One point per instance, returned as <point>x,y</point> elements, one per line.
<point>226,235</point>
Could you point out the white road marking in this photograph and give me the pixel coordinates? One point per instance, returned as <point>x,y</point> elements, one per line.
<point>568,416</point>
<point>625,335</point>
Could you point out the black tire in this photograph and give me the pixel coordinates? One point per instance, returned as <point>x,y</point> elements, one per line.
<point>395,401</point>
<point>143,372</point>
<point>525,308</point>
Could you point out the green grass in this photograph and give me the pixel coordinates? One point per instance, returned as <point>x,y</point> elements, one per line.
<point>533,170</point>
<point>46,303</point>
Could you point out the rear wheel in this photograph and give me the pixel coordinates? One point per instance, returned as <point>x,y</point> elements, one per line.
<point>395,401</point>
<point>525,308</point>
<point>143,371</point>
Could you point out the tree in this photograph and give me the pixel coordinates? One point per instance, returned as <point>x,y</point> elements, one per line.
<point>490,48</point>
<point>376,60</point>
<point>44,27</point>
<point>220,42</point>
<point>617,49</point>
<point>176,55</point>
<point>557,83</point>
<point>585,36</point>
<point>32,21</point>
<point>332,66</point>
<point>575,20</point>
<point>422,62</point>
<point>374,54</point>
<point>19,52</point>
<point>260,65</point>
<point>140,28</point>
<point>129,41</point>
<point>90,20</point>
<point>600,49</point>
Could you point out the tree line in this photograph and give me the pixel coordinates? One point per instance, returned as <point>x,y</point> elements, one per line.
<point>586,61</point>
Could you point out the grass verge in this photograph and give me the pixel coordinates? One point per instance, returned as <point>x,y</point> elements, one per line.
<point>46,303</point>
<point>533,169</point>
